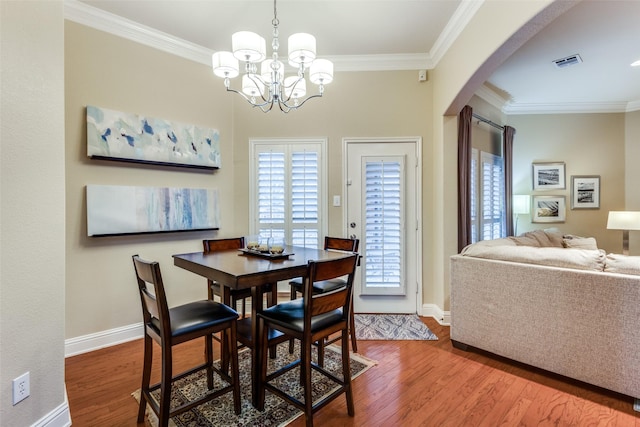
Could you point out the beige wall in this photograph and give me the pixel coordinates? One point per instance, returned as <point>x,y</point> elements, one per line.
<point>588,144</point>
<point>351,107</point>
<point>101,293</point>
<point>632,174</point>
<point>111,72</point>
<point>32,193</point>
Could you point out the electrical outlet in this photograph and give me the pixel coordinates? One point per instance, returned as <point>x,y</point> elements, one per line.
<point>21,388</point>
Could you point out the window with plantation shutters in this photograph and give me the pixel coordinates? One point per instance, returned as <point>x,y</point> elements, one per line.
<point>383,203</point>
<point>487,196</point>
<point>286,190</point>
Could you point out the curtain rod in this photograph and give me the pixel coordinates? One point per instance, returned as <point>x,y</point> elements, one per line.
<point>487,121</point>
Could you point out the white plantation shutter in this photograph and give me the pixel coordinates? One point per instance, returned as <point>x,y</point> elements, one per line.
<point>487,197</point>
<point>286,184</point>
<point>492,183</point>
<point>474,183</point>
<point>384,222</point>
<point>305,182</point>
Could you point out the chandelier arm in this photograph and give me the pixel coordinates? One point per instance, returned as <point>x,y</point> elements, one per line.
<point>246,98</point>
<point>295,107</point>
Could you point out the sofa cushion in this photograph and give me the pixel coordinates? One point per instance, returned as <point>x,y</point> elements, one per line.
<point>576,242</point>
<point>489,243</point>
<point>623,264</point>
<point>538,238</point>
<point>579,259</point>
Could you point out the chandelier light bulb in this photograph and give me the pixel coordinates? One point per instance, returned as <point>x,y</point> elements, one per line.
<point>252,86</point>
<point>321,72</point>
<point>295,87</point>
<point>248,46</point>
<point>302,48</point>
<point>225,65</point>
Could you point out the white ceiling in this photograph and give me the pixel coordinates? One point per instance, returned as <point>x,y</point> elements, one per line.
<point>411,34</point>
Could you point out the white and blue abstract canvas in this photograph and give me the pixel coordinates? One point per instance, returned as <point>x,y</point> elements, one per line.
<point>116,210</point>
<point>115,135</point>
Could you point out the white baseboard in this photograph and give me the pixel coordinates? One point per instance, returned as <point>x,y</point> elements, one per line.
<point>432,310</point>
<point>98,340</point>
<point>59,417</point>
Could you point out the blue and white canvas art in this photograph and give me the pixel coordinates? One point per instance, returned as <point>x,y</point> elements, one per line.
<point>115,210</point>
<point>116,135</point>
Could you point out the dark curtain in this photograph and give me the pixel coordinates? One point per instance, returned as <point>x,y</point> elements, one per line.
<point>464,178</point>
<point>507,152</point>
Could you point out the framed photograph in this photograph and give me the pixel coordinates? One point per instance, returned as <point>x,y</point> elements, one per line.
<point>585,192</point>
<point>549,176</point>
<point>549,209</point>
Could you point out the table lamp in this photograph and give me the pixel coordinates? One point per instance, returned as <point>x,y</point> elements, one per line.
<point>625,221</point>
<point>521,205</point>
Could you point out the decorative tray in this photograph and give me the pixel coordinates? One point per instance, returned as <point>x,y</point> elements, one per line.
<point>266,255</point>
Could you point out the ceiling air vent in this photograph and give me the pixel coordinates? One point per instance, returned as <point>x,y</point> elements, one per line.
<point>568,61</point>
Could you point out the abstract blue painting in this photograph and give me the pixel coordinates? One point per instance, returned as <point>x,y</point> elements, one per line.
<point>115,210</point>
<point>115,135</point>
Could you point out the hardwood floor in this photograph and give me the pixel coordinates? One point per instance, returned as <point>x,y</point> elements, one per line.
<point>416,383</point>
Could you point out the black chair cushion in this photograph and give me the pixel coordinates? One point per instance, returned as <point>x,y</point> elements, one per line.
<point>196,315</point>
<point>322,286</point>
<point>291,314</point>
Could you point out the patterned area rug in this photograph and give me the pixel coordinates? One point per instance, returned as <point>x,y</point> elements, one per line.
<point>219,412</point>
<point>392,327</point>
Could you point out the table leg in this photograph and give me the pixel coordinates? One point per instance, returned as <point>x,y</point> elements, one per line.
<point>256,354</point>
<point>224,350</point>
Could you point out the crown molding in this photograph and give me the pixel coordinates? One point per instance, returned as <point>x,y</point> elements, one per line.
<point>633,106</point>
<point>84,14</point>
<point>460,19</point>
<point>491,97</point>
<point>98,19</point>
<point>512,108</point>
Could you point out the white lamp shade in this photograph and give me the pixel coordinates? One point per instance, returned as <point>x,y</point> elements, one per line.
<point>252,86</point>
<point>248,46</point>
<point>266,70</point>
<point>225,64</point>
<point>321,72</point>
<point>623,220</point>
<point>521,204</point>
<point>295,87</point>
<point>302,48</point>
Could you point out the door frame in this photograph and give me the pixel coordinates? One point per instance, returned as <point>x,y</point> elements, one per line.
<point>417,140</point>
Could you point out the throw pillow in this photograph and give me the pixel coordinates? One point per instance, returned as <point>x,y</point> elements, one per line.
<point>576,242</point>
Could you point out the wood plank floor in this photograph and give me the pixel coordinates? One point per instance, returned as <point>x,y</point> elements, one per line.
<point>416,383</point>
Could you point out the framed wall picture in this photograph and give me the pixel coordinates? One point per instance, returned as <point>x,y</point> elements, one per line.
<point>585,192</point>
<point>549,176</point>
<point>549,209</point>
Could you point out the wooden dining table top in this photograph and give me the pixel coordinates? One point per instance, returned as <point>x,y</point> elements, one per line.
<point>240,270</point>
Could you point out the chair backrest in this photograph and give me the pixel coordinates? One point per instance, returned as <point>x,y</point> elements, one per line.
<point>320,303</point>
<point>213,245</point>
<point>155,311</point>
<point>341,244</point>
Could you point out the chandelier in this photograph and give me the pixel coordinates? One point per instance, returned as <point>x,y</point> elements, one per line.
<point>269,86</point>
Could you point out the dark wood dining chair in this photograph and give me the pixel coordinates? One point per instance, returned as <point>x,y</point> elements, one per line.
<point>237,295</point>
<point>311,319</point>
<point>332,243</point>
<point>214,288</point>
<point>169,327</point>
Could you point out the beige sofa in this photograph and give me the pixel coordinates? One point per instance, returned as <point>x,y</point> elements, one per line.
<point>555,303</point>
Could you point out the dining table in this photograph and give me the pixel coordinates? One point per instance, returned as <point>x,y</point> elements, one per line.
<point>245,269</point>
